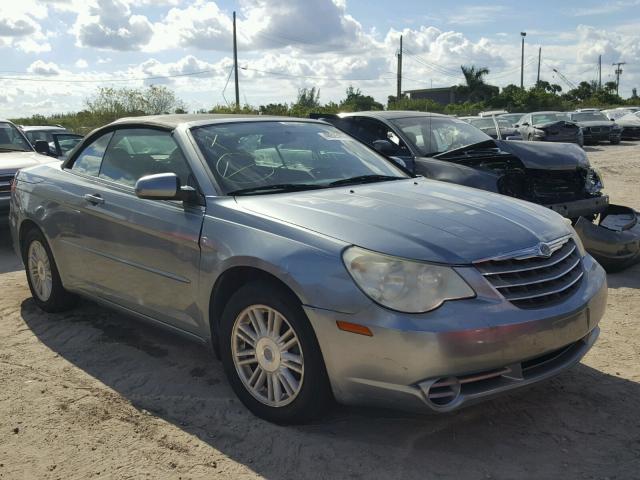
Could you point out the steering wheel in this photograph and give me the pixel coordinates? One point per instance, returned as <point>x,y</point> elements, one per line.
<point>233,163</point>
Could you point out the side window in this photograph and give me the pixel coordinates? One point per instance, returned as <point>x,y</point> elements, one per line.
<point>88,162</point>
<point>136,152</point>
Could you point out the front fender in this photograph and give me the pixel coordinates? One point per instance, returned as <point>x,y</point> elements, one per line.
<point>309,264</point>
<point>447,171</point>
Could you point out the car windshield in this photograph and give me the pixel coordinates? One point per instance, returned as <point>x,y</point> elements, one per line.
<point>511,118</point>
<point>67,141</point>
<point>589,117</point>
<point>275,156</point>
<point>538,118</point>
<point>487,122</point>
<point>11,139</point>
<point>431,135</point>
<point>616,114</point>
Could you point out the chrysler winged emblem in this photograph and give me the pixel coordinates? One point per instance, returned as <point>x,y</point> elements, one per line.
<point>544,250</point>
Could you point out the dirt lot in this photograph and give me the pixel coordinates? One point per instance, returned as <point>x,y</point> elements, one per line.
<point>93,394</point>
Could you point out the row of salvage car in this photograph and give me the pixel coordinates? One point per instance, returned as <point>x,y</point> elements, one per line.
<point>582,127</point>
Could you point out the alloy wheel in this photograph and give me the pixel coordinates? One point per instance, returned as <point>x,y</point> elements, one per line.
<point>267,355</point>
<point>39,268</point>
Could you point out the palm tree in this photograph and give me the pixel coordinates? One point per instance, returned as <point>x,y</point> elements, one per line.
<point>476,88</point>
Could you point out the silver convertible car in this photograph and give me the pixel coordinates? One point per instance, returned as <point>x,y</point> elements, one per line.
<point>315,267</point>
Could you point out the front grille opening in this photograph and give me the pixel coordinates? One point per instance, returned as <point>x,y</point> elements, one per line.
<point>5,183</point>
<point>536,282</point>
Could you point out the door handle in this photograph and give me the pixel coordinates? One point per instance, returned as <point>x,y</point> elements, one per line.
<point>94,199</point>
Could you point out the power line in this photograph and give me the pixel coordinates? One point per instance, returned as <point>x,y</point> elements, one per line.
<point>105,80</point>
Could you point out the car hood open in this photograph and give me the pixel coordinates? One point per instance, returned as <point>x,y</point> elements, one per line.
<point>416,218</point>
<point>12,161</point>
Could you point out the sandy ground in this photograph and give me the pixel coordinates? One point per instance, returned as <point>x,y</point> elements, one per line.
<point>93,394</point>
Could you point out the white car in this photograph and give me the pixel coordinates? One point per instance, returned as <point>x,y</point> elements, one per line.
<point>15,153</point>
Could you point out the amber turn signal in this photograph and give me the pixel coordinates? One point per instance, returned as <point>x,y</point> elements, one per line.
<point>354,328</point>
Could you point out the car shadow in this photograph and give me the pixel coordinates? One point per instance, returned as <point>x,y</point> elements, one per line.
<point>9,262</point>
<point>628,278</point>
<point>582,421</point>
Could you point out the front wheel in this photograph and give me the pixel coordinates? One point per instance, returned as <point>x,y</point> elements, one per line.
<point>42,274</point>
<point>271,356</point>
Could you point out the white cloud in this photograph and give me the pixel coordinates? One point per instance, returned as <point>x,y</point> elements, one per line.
<point>110,25</point>
<point>20,26</point>
<point>81,63</point>
<point>43,68</point>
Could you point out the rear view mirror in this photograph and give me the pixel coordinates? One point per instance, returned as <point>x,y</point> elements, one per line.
<point>42,147</point>
<point>385,147</point>
<point>161,186</point>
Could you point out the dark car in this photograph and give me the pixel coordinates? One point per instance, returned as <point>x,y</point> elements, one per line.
<point>556,176</point>
<point>60,141</point>
<point>549,127</point>
<point>596,127</point>
<point>488,126</point>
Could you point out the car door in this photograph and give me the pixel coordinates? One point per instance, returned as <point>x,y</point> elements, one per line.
<point>143,255</point>
<point>368,130</point>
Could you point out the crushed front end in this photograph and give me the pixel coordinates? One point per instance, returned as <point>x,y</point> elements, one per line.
<point>560,178</point>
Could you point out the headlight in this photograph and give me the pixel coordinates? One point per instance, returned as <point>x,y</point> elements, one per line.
<point>593,181</point>
<point>539,133</point>
<point>404,285</point>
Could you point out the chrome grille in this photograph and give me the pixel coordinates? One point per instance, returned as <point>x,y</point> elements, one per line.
<point>532,281</point>
<point>5,183</point>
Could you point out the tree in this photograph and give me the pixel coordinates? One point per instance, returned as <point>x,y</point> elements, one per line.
<point>308,98</point>
<point>476,89</point>
<point>610,87</point>
<point>357,102</point>
<point>158,99</point>
<point>118,102</point>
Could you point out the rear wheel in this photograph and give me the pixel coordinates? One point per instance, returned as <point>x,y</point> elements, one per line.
<point>42,274</point>
<point>271,356</point>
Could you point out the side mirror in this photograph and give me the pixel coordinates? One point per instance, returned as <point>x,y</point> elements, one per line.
<point>161,186</point>
<point>42,147</point>
<point>516,126</point>
<point>399,161</point>
<point>525,124</point>
<point>385,147</point>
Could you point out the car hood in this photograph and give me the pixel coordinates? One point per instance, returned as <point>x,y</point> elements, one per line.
<point>416,218</point>
<point>557,123</point>
<point>596,123</point>
<point>535,155</point>
<point>629,120</point>
<point>12,161</point>
<point>546,155</point>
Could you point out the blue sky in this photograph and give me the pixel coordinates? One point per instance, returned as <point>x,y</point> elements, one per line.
<point>57,52</point>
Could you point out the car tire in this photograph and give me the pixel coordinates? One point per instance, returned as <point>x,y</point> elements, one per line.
<point>42,274</point>
<point>282,385</point>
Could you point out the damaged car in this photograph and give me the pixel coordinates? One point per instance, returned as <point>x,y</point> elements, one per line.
<point>549,127</point>
<point>596,127</point>
<point>628,120</point>
<point>556,176</point>
<point>495,127</point>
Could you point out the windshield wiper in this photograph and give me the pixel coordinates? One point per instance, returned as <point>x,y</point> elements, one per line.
<point>360,179</point>
<point>277,188</point>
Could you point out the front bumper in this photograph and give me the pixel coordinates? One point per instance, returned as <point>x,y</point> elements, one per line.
<point>615,241</point>
<point>462,339</point>
<point>581,208</point>
<point>602,136</point>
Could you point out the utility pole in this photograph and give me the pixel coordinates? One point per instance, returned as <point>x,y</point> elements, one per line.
<point>618,72</point>
<point>399,71</point>
<point>235,61</point>
<point>522,34</point>
<point>539,61</point>
<point>599,72</point>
